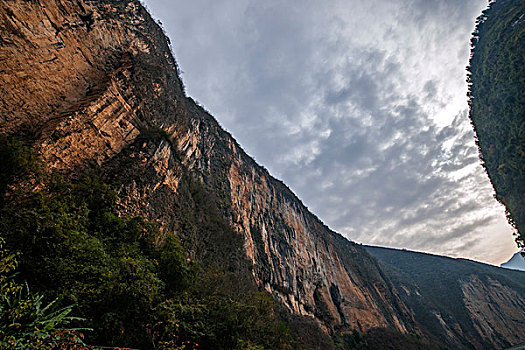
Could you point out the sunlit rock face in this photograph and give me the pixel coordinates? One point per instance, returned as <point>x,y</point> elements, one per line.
<point>313,270</point>
<point>94,87</point>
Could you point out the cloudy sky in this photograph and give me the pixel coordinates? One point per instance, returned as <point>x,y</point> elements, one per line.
<point>359,106</point>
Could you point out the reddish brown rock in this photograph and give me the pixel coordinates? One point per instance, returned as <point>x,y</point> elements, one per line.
<point>94,86</point>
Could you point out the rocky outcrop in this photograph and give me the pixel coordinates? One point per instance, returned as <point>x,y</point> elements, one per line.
<point>93,85</point>
<point>496,83</point>
<point>497,311</point>
<point>464,303</point>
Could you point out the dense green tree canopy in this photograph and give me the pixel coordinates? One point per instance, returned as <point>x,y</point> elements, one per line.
<point>133,285</point>
<point>497,103</point>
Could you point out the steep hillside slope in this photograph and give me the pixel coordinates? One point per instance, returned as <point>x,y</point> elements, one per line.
<point>482,305</point>
<point>497,103</point>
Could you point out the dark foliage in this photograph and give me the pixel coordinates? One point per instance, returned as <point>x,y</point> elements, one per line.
<point>384,339</point>
<point>497,103</point>
<point>25,321</point>
<point>133,285</point>
<point>16,161</point>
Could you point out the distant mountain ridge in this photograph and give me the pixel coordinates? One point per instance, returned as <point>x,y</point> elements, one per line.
<point>516,262</point>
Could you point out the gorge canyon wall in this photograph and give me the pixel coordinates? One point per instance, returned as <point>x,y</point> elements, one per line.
<point>93,84</point>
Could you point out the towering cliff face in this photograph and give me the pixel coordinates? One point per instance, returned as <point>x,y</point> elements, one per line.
<point>93,85</point>
<point>311,269</point>
<point>93,82</point>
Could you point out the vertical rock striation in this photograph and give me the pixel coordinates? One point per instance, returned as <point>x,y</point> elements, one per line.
<point>93,85</point>
<point>462,302</point>
<point>313,270</point>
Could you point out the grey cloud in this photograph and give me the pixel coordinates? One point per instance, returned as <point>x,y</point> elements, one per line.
<point>338,98</point>
<point>430,90</point>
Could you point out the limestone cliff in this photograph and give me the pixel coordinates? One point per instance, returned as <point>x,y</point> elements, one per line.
<point>93,84</point>
<point>90,81</point>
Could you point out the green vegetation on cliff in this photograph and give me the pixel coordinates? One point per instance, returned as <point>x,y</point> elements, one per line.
<point>132,285</point>
<point>497,103</point>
